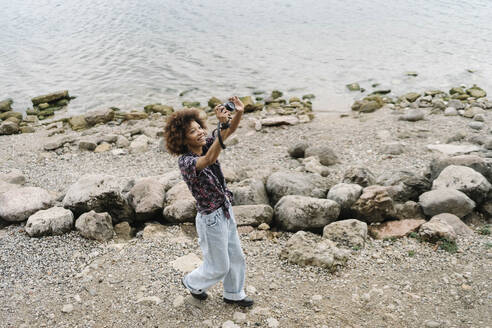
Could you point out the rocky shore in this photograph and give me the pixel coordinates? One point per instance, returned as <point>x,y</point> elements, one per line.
<point>379,217</point>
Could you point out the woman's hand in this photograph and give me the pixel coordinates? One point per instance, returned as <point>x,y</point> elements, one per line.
<point>238,103</point>
<point>223,115</point>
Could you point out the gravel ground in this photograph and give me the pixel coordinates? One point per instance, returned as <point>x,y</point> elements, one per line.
<point>402,283</point>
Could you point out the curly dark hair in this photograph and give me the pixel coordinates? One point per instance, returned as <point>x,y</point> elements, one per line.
<point>175,130</point>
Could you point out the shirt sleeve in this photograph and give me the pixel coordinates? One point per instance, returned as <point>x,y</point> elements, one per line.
<point>187,166</point>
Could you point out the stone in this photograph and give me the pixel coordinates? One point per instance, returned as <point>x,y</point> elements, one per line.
<point>186,263</point>
<point>149,300</point>
<point>9,114</point>
<point>411,96</point>
<point>180,206</point>
<point>452,150</point>
<point>325,154</point>
<point>101,193</point>
<point>19,203</point>
<point>297,150</point>
<point>159,108</point>
<point>263,226</point>
<point>6,105</point>
<point>464,179</point>
<point>249,192</point>
<point>14,177</point>
<point>459,227</point>
<point>97,226</point>
<point>124,231</point>
<point>374,205</point>
<point>284,183</point>
<point>58,142</point>
<point>450,111</point>
<point>253,215</point>
<point>135,115</point>
<point>301,249</point>
<point>393,148</point>
<point>294,212</point>
<point>239,317</point>
<point>178,301</point>
<point>351,233</point>
<point>154,231</point>
<point>412,115</point>
<point>103,147</point>
<point>345,194</point>
<point>404,185</point>
<point>8,128</point>
<point>147,197</point>
<point>408,210</point>
<point>87,144</point>
<point>433,231</point>
<point>257,235</point>
<point>476,125</point>
<point>395,229</point>
<point>353,86</point>
<point>280,120</point>
<point>77,122</point>
<point>51,97</point>
<point>446,200</point>
<point>53,221</point>
<point>479,118</point>
<point>479,164</point>
<point>67,308</point>
<point>122,142</point>
<point>476,92</point>
<point>313,165</point>
<point>97,116</point>
<point>139,145</point>
<point>27,129</point>
<point>359,175</point>
<point>473,111</point>
<point>272,323</point>
<point>229,324</point>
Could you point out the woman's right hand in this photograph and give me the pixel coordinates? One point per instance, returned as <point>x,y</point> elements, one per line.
<point>222,114</point>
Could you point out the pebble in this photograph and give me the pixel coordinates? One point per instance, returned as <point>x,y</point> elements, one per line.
<point>229,324</point>
<point>272,322</point>
<point>239,317</point>
<point>67,308</point>
<point>251,290</point>
<point>178,301</point>
<point>432,324</point>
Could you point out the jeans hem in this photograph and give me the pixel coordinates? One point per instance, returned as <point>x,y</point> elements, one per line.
<point>235,296</point>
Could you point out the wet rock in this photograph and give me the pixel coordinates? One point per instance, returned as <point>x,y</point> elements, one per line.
<point>359,175</point>
<point>284,183</point>
<point>51,97</point>
<point>97,226</point>
<point>446,200</point>
<point>293,213</point>
<point>53,221</point>
<point>395,229</point>
<point>464,179</point>
<point>253,215</point>
<point>351,233</point>
<point>374,205</point>
<point>18,203</point>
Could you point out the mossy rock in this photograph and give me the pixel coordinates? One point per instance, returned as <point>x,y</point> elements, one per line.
<point>460,96</point>
<point>62,102</point>
<point>134,115</point>
<point>276,94</point>
<point>476,92</point>
<point>27,129</point>
<point>381,92</point>
<point>258,92</point>
<point>6,115</point>
<point>77,122</point>
<point>46,112</point>
<point>249,105</point>
<point>456,90</point>
<point>433,93</point>
<point>376,98</point>
<point>32,112</point>
<point>353,86</point>
<point>6,105</point>
<point>50,97</point>
<point>43,106</point>
<point>258,98</point>
<point>411,73</point>
<point>214,101</point>
<point>411,96</point>
<point>308,96</point>
<point>191,104</point>
<point>294,99</point>
<point>159,108</point>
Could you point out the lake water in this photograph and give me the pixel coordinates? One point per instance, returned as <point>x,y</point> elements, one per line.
<point>129,53</point>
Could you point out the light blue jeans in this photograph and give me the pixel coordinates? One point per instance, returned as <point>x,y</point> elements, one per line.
<point>223,258</point>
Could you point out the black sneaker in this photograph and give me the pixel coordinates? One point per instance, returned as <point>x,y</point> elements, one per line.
<point>202,296</point>
<point>245,302</point>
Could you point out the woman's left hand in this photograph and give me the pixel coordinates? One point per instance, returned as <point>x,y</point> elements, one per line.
<point>223,115</point>
<point>238,103</point>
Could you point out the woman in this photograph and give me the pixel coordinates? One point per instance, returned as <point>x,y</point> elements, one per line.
<point>223,258</point>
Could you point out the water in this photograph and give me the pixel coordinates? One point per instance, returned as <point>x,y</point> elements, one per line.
<point>131,53</point>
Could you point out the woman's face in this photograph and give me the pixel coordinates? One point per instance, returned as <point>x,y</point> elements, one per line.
<point>195,135</point>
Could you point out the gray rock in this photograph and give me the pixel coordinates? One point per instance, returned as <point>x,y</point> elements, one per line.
<point>180,206</point>
<point>280,120</point>
<point>6,105</point>
<point>53,221</point>
<point>393,148</point>
<point>147,197</point>
<point>446,201</point>
<point>139,145</point>
<point>459,227</point>
<point>87,144</point>
<point>479,164</point>
<point>345,194</point>
<point>297,150</point>
<point>94,117</point>
<point>413,115</point>
<point>284,183</point>
<point>58,142</point>
<point>14,177</point>
<point>312,165</point>
<point>325,154</point>
<point>359,175</point>
<point>404,185</point>
<point>408,210</point>
<point>101,193</point>
<point>374,205</point>
<point>464,179</point>
<point>349,233</point>
<point>293,212</point>
<point>452,150</point>
<point>249,192</point>
<point>124,231</point>
<point>476,125</point>
<point>7,128</point>
<point>122,142</point>
<point>473,111</point>
<point>455,103</point>
<point>450,111</point>
<point>479,118</point>
<point>253,215</point>
<point>98,226</point>
<point>433,231</point>
<point>18,203</point>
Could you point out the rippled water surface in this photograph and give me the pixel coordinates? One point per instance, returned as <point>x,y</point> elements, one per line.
<point>128,53</point>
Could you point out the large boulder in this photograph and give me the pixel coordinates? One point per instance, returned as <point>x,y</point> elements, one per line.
<point>434,231</point>
<point>7,128</point>
<point>325,154</point>
<point>395,228</point>
<point>374,205</point>
<point>464,179</point>
<point>303,249</point>
<point>249,192</point>
<point>147,197</point>
<point>404,185</point>
<point>284,183</point>
<point>101,193</point>
<point>53,221</point>
<point>18,203</point>
<point>459,227</point>
<point>170,179</point>
<point>253,215</point>
<point>345,194</point>
<point>293,212</point>
<point>446,200</point>
<point>96,116</point>
<point>479,164</point>
<point>180,206</point>
<point>98,226</point>
<point>359,175</point>
<point>351,233</point>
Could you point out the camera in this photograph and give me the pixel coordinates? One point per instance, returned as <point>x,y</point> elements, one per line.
<point>229,106</point>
